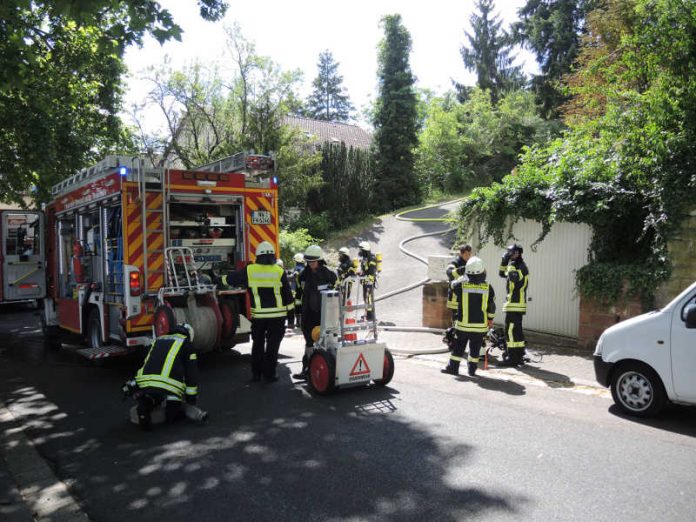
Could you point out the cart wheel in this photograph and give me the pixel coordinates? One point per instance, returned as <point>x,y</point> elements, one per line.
<point>322,372</point>
<point>165,320</point>
<point>388,371</point>
<point>230,322</point>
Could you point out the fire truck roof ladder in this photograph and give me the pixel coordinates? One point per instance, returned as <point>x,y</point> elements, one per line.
<point>154,222</point>
<point>109,163</point>
<point>231,163</point>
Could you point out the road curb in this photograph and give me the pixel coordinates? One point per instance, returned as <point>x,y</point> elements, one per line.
<point>47,497</point>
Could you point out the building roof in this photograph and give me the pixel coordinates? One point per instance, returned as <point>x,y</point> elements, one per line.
<point>331,131</point>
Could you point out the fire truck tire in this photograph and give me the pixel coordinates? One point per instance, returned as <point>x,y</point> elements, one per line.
<point>388,372</point>
<point>93,331</point>
<point>322,372</point>
<point>230,322</point>
<point>164,320</point>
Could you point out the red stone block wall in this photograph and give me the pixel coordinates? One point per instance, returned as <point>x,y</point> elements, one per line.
<point>435,312</point>
<point>595,317</point>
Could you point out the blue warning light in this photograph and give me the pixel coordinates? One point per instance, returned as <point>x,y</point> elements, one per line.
<point>123,170</point>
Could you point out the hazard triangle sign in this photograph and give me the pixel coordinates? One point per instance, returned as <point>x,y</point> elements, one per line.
<point>360,367</point>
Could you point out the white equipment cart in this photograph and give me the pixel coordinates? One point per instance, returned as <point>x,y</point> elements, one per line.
<point>347,352</point>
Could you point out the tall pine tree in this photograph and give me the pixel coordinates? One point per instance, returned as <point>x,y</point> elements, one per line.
<point>328,101</point>
<point>552,29</point>
<point>489,54</point>
<point>395,120</point>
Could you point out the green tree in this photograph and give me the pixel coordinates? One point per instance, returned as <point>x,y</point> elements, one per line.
<point>629,170</point>
<point>328,100</point>
<point>60,83</point>
<point>553,30</point>
<point>395,120</point>
<point>489,54</point>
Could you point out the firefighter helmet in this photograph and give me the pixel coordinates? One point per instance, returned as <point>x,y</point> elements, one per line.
<point>515,247</point>
<point>475,266</point>
<point>344,251</point>
<point>299,257</point>
<point>314,253</point>
<point>364,245</point>
<point>185,329</point>
<point>264,247</point>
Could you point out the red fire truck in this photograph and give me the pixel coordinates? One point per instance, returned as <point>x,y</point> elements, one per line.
<point>130,249</point>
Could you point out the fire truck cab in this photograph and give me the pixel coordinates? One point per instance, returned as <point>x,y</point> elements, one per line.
<point>131,248</point>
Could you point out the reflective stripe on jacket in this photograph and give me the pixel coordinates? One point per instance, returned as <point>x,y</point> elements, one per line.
<point>476,306</point>
<point>517,276</point>
<point>171,366</point>
<point>268,289</point>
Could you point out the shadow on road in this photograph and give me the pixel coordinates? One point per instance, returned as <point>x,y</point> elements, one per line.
<point>270,451</point>
<point>674,418</point>
<point>498,385</point>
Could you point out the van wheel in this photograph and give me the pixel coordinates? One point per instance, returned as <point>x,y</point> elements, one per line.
<point>94,334</point>
<point>637,390</point>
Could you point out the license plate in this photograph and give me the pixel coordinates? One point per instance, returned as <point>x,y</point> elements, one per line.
<point>260,217</point>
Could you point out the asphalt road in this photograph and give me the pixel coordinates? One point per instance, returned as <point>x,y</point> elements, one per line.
<point>427,447</point>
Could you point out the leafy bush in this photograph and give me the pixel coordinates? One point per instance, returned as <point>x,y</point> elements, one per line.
<point>292,242</point>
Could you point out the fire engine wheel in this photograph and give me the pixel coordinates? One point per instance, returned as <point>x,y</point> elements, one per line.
<point>164,320</point>
<point>93,332</point>
<point>322,372</point>
<point>388,371</point>
<point>230,322</point>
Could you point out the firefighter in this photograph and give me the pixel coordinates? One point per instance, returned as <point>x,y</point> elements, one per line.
<point>368,269</point>
<point>475,312</point>
<point>455,270</point>
<point>514,270</point>
<point>168,375</point>
<point>295,320</point>
<point>271,302</point>
<point>314,278</point>
<point>345,264</point>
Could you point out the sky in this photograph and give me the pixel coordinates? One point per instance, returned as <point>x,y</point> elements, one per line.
<point>293,33</point>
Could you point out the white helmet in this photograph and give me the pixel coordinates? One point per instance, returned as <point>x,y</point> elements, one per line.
<point>344,250</point>
<point>280,263</point>
<point>314,253</point>
<point>364,245</point>
<point>188,328</point>
<point>264,247</point>
<point>299,257</point>
<point>475,266</point>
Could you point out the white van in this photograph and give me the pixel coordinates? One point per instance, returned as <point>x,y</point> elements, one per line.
<point>650,359</point>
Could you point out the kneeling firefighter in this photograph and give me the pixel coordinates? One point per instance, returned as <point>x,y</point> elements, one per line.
<point>475,311</point>
<point>168,377</point>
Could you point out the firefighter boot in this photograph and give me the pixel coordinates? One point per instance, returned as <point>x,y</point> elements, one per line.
<point>144,409</point>
<point>471,367</point>
<point>452,368</point>
<point>304,374</point>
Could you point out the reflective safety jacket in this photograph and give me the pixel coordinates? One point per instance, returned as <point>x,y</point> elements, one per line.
<point>268,289</point>
<point>345,268</point>
<point>368,266</point>
<point>452,274</point>
<point>311,285</point>
<point>475,306</point>
<point>517,276</point>
<point>171,366</point>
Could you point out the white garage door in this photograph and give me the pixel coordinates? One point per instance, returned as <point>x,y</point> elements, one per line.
<point>554,305</point>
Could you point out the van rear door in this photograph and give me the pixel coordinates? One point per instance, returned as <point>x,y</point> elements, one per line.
<point>683,350</point>
<point>23,255</point>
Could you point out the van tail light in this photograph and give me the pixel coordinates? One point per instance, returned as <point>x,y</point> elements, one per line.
<point>134,283</point>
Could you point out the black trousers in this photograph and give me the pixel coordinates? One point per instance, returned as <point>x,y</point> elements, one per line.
<point>266,335</point>
<point>310,319</point>
<point>151,398</point>
<point>514,335</point>
<point>474,340</point>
